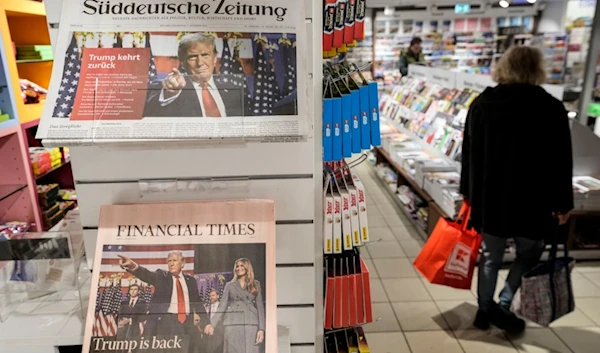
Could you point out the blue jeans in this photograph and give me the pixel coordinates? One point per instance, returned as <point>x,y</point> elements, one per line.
<point>528,256</point>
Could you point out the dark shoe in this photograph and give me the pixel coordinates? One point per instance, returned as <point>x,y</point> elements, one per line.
<point>506,321</point>
<point>482,320</point>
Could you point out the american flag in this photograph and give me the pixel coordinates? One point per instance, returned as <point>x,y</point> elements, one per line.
<point>68,84</point>
<point>274,91</point>
<point>109,301</point>
<point>231,69</point>
<point>152,257</point>
<point>289,78</point>
<point>262,103</point>
<point>239,70</point>
<point>152,65</point>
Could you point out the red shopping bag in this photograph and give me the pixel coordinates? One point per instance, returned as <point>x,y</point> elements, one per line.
<point>449,255</point>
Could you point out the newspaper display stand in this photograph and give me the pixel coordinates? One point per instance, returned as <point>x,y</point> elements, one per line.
<point>43,275</point>
<point>123,172</point>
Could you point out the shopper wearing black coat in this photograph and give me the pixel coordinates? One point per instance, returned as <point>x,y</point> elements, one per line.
<point>517,169</point>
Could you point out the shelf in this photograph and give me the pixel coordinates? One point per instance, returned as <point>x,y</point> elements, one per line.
<point>413,185</point>
<point>7,127</point>
<point>420,230</point>
<point>32,112</point>
<point>51,170</point>
<point>9,190</point>
<point>24,8</point>
<point>30,124</point>
<point>33,61</point>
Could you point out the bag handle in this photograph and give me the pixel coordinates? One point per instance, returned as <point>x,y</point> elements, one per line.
<point>552,268</point>
<point>465,212</point>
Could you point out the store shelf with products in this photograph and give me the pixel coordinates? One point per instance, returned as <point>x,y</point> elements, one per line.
<point>422,121</point>
<point>26,41</point>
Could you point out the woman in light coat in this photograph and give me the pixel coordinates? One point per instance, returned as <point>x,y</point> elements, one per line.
<point>242,311</point>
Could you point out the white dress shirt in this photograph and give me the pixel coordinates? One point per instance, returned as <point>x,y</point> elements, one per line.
<point>212,89</point>
<point>186,295</point>
<point>213,309</point>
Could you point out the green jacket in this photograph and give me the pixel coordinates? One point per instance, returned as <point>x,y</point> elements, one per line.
<point>408,57</point>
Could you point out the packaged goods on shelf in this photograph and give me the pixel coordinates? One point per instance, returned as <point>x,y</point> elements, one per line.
<point>586,193</point>
<point>44,159</point>
<point>8,229</point>
<point>423,167</point>
<point>34,52</point>
<point>48,195</point>
<point>67,194</point>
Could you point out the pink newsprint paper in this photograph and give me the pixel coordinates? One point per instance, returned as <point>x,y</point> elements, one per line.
<point>194,277</point>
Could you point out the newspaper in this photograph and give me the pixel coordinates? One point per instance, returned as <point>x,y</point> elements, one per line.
<point>184,278</point>
<point>177,69</point>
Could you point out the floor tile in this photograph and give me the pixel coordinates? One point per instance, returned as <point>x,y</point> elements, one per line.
<point>405,289</point>
<point>539,341</point>
<point>476,341</point>
<point>387,342</point>
<point>364,253</point>
<point>395,220</point>
<point>384,319</point>
<point>574,319</point>
<point>381,233</point>
<point>433,342</point>
<point>439,292</point>
<point>459,314</point>
<point>406,232</point>
<point>372,269</point>
<point>411,248</point>
<point>580,340</point>
<point>373,212</point>
<point>377,292</point>
<point>594,277</point>
<point>591,308</point>
<point>391,210</point>
<point>385,249</point>
<point>583,287</point>
<point>587,267</point>
<point>376,220</point>
<point>395,268</point>
<point>419,316</point>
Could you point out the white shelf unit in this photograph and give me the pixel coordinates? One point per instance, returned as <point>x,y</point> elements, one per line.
<point>289,173</point>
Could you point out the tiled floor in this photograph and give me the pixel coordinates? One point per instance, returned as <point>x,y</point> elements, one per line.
<point>417,317</point>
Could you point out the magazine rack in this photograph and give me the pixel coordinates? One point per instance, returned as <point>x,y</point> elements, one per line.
<point>43,274</point>
<point>287,170</point>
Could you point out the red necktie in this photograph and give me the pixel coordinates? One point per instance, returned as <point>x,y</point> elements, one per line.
<point>180,301</point>
<point>210,106</point>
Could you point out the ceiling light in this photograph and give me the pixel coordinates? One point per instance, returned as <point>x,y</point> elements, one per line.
<point>532,1</point>
<point>388,11</point>
<point>504,3</point>
<point>572,115</point>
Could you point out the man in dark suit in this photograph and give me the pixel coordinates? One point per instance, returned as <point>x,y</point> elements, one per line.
<point>131,314</point>
<point>214,343</point>
<point>175,299</point>
<point>195,93</point>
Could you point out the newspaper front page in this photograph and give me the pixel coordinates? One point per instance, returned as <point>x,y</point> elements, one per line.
<point>177,69</point>
<point>194,277</point>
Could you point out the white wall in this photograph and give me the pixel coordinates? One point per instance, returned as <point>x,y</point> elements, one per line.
<point>553,17</point>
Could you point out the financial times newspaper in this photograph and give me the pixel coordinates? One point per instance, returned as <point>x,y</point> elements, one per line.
<point>184,278</point>
<point>177,69</point>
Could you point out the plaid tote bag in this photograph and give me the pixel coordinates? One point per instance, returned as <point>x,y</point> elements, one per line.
<point>546,292</point>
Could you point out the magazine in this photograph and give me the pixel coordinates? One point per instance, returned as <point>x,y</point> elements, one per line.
<point>154,70</point>
<point>184,278</point>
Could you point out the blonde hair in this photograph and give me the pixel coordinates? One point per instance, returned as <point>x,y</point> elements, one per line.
<point>520,64</point>
<point>251,284</point>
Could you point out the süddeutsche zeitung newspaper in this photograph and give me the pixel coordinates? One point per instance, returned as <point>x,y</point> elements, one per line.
<point>177,69</point>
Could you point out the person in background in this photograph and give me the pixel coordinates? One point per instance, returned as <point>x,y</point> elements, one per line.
<point>517,181</point>
<point>412,55</point>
